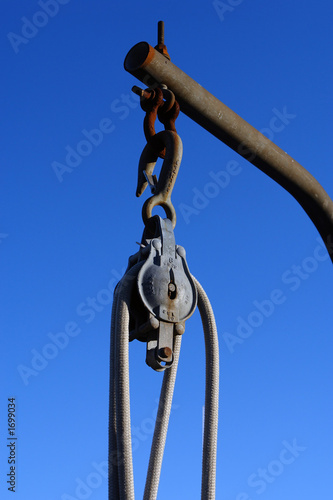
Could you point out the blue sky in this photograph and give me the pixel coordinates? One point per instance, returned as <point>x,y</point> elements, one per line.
<point>65,240</point>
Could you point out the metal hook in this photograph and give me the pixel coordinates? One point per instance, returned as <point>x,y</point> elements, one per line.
<point>161,188</point>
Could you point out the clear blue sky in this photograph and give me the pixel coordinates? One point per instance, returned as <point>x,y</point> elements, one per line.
<point>64,244</point>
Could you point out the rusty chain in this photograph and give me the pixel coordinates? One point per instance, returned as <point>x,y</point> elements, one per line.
<point>158,103</point>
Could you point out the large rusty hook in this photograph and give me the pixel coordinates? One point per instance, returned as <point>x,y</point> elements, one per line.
<point>161,188</point>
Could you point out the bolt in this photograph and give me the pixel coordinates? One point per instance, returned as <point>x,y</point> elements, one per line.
<point>145,94</point>
<point>160,40</point>
<point>160,32</point>
<point>181,251</point>
<point>165,352</point>
<point>154,323</point>
<point>157,244</point>
<point>180,329</point>
<point>172,287</point>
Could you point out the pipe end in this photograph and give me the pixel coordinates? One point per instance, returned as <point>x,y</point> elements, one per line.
<point>138,57</point>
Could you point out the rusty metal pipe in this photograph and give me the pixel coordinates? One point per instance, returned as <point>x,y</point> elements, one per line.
<point>151,67</point>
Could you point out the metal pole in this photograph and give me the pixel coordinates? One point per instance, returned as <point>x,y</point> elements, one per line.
<point>151,67</point>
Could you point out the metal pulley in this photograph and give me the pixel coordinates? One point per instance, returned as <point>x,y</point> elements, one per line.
<point>165,284</point>
<point>165,295</point>
<point>168,294</point>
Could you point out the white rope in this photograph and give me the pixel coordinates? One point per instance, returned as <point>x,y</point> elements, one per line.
<point>211,395</point>
<point>121,480</point>
<point>161,426</point>
<point>124,439</point>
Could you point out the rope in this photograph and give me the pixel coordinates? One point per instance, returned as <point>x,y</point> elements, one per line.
<point>113,465</point>
<point>211,395</point>
<point>161,426</point>
<point>121,481</point>
<point>124,440</point>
